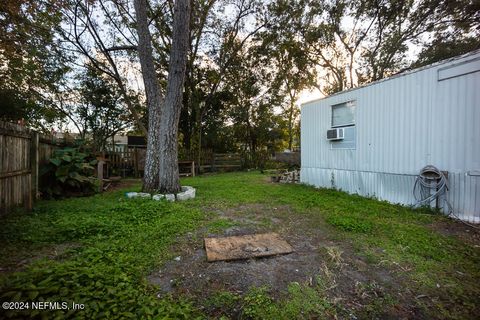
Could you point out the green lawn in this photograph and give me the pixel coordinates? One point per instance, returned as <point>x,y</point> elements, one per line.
<point>98,251</point>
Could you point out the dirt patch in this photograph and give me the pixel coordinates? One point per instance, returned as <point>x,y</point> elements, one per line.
<point>317,257</point>
<point>459,230</point>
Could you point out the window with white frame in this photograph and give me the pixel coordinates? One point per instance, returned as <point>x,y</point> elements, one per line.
<point>343,114</point>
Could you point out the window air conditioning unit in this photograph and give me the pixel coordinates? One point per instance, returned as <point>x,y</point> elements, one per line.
<point>335,134</point>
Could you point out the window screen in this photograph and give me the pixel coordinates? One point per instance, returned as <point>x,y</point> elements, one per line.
<point>343,114</point>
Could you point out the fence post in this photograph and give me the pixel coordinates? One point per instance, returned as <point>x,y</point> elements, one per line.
<point>100,173</point>
<point>34,163</point>
<point>135,166</point>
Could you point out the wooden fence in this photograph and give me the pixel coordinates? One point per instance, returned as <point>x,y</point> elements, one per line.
<point>131,162</point>
<point>22,152</point>
<point>124,163</point>
<point>223,162</point>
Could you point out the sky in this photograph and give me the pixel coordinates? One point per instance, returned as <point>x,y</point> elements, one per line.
<point>309,95</point>
<point>136,83</point>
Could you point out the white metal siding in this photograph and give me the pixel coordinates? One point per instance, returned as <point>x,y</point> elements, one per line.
<point>402,124</point>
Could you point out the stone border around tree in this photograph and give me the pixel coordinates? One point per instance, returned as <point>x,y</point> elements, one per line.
<point>187,193</point>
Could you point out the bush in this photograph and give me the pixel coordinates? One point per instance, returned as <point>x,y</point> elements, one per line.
<point>69,172</point>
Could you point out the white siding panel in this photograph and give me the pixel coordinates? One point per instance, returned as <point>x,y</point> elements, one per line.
<point>402,125</point>
<point>459,69</point>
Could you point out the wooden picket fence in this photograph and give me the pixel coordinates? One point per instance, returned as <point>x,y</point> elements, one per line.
<point>22,153</point>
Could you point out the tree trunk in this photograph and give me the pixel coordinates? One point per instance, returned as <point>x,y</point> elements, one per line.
<point>169,177</point>
<point>290,121</point>
<point>290,126</point>
<point>154,99</point>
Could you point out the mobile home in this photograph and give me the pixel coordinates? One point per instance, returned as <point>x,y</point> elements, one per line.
<point>374,140</point>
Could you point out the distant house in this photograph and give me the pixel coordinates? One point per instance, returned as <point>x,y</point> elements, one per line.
<point>374,140</point>
<point>123,143</point>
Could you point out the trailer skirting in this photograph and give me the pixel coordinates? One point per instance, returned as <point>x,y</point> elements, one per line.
<point>463,188</point>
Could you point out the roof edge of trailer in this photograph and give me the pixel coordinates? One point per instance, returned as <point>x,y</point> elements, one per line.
<point>398,75</point>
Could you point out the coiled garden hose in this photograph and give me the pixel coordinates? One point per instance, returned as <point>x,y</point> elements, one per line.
<point>430,185</point>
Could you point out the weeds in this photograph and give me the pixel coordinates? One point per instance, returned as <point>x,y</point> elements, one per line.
<point>117,242</point>
<point>335,255</point>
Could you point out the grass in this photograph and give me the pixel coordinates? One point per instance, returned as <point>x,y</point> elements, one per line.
<point>109,244</point>
<point>117,242</point>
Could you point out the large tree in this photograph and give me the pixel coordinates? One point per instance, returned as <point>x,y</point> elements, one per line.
<point>169,175</point>
<point>163,136</point>
<point>153,97</point>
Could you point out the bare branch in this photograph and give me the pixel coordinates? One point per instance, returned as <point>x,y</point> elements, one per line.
<point>121,48</point>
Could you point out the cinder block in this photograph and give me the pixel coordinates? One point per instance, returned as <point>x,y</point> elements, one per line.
<point>158,197</point>
<point>144,195</point>
<point>187,193</point>
<point>131,194</point>
<point>170,197</point>
<point>182,196</point>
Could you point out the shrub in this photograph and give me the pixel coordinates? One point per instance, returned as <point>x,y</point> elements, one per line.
<point>69,172</point>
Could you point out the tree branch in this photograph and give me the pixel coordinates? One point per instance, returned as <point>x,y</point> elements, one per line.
<point>120,48</point>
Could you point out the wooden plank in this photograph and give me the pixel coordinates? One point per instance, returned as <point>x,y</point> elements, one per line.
<point>184,174</point>
<point>100,164</point>
<point>245,247</point>
<point>227,165</point>
<point>14,134</point>
<point>187,164</point>
<point>135,171</point>
<point>34,164</point>
<point>10,174</point>
<point>227,158</point>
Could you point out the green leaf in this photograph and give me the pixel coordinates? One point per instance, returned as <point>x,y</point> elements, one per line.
<point>61,171</point>
<point>81,155</point>
<point>32,295</point>
<point>69,150</point>
<point>88,167</point>
<point>77,176</point>
<point>64,291</point>
<point>55,161</point>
